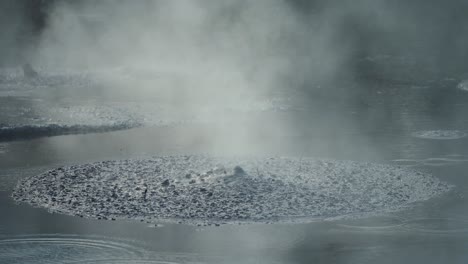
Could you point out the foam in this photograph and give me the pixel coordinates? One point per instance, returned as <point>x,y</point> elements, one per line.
<point>208,190</point>
<point>440,134</point>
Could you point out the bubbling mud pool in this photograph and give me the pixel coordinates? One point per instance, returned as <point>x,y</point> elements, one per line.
<point>209,190</point>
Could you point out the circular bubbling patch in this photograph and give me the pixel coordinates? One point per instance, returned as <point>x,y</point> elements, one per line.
<point>440,134</point>
<point>209,190</point>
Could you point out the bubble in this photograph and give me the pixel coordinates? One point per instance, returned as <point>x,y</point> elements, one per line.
<point>194,190</point>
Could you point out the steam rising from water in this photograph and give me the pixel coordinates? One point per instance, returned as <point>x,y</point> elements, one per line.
<point>194,54</point>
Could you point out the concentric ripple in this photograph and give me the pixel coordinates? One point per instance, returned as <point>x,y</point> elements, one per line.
<point>63,249</point>
<point>209,190</point>
<point>440,134</point>
<point>158,258</point>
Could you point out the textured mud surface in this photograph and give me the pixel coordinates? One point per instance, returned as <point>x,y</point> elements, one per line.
<point>205,190</point>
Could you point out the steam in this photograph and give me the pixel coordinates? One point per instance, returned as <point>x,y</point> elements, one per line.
<point>226,45</point>
<point>194,54</point>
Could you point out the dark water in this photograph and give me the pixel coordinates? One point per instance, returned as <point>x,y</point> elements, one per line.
<point>377,125</point>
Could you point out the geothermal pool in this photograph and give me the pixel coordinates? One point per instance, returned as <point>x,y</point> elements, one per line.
<point>125,181</point>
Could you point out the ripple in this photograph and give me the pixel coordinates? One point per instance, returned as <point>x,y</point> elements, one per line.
<point>160,258</point>
<point>210,190</point>
<point>437,225</point>
<point>440,134</point>
<point>406,162</point>
<point>62,249</point>
<point>372,223</point>
<point>440,161</point>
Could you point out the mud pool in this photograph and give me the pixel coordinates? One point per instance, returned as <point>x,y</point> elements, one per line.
<point>205,190</point>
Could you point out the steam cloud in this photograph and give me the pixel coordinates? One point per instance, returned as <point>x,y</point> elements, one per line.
<point>191,53</point>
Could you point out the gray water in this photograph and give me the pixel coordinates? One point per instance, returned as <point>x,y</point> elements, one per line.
<point>385,128</point>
